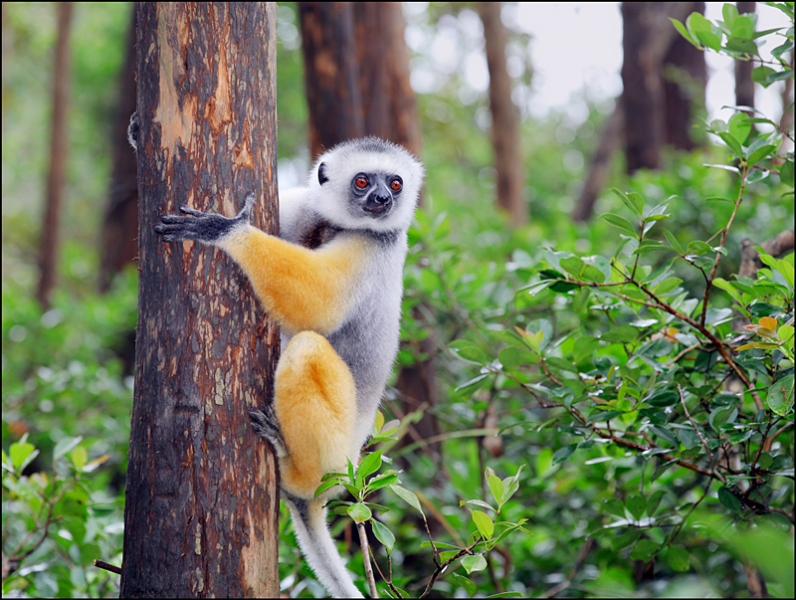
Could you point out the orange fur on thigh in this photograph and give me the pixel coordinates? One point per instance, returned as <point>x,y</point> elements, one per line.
<point>315,402</point>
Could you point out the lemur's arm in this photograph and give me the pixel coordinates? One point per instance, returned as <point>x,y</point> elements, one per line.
<point>303,289</point>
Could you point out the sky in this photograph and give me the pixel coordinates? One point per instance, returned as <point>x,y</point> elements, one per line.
<point>577,46</point>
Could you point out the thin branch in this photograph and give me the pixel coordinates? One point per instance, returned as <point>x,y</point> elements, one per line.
<point>702,439</point>
<point>724,233</point>
<point>582,554</point>
<point>363,541</point>
<point>107,566</point>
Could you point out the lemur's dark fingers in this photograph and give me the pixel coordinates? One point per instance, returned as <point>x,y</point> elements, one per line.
<point>191,211</point>
<point>172,233</point>
<point>173,219</point>
<point>246,212</point>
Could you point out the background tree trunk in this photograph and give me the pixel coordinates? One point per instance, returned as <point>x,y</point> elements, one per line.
<point>744,86</point>
<point>120,230</point>
<point>505,117</point>
<point>642,97</point>
<point>685,77</point>
<point>202,495</point>
<point>373,97</point>
<point>331,73</point>
<point>48,245</point>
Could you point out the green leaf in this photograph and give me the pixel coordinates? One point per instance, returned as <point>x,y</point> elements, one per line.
<point>761,74</point>
<point>665,434</point>
<point>654,501</point>
<point>673,242</point>
<point>742,45</point>
<point>786,173</point>
<point>634,203</point>
<point>621,223</point>
<point>484,524</point>
<point>496,487</point>
<point>677,558</point>
<point>740,127</point>
<point>79,457</point>
<point>644,550</point>
<point>370,464</point>
<point>729,13</point>
<point>742,27</point>
<point>725,285</point>
<point>468,585</point>
<point>732,143</point>
<point>780,396</point>
<point>476,562</point>
<point>22,454</point>
<point>359,512</point>
<point>382,481</point>
<point>467,351</point>
<point>615,507</point>
<point>760,154</point>
<point>637,505</point>
<point>383,534</point>
<point>703,30</point>
<point>562,454</point>
<point>625,540</point>
<point>685,33</point>
<point>408,497</point>
<point>64,445</point>
<point>325,486</point>
<point>730,500</point>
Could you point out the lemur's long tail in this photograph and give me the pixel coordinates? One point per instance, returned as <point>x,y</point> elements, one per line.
<point>317,545</point>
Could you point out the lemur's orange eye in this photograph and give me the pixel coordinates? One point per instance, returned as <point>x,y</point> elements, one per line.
<point>361,182</point>
<point>396,185</point>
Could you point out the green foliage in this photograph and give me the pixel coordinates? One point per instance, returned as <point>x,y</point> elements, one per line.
<point>64,394</point>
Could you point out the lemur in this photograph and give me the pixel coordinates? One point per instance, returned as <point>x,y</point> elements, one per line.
<point>333,280</point>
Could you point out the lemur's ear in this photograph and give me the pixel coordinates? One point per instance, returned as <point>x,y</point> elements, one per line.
<point>322,178</point>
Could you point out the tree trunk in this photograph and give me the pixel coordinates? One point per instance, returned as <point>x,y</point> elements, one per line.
<point>744,86</point>
<point>48,245</point>
<point>505,117</point>
<point>120,231</point>
<point>685,74</point>
<point>642,97</point>
<point>202,495</point>
<point>331,73</point>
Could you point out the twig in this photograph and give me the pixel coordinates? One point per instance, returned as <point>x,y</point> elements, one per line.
<point>702,439</point>
<point>107,566</point>
<point>441,568</point>
<point>363,541</point>
<point>724,233</point>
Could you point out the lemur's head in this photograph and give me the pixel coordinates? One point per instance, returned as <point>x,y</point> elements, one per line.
<point>366,183</point>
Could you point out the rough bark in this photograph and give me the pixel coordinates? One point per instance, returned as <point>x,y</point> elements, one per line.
<point>685,74</point>
<point>120,230</point>
<point>202,494</point>
<point>331,73</point>
<point>505,118</point>
<point>48,244</point>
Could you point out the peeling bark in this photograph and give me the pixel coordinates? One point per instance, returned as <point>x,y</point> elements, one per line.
<point>202,493</point>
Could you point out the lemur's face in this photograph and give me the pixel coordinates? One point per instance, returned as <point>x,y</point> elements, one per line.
<point>375,194</point>
<point>367,184</point>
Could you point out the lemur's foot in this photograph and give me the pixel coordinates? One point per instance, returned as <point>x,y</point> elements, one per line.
<point>266,425</point>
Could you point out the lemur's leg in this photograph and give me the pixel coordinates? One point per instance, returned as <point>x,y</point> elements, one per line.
<point>266,424</point>
<point>315,407</point>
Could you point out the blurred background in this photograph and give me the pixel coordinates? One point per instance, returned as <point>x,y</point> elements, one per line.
<point>576,99</point>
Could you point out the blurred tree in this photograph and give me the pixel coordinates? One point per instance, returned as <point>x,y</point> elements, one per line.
<point>685,77</point>
<point>48,257</point>
<point>653,109</point>
<point>208,133</point>
<point>505,118</point>
<point>367,92</point>
<point>331,73</point>
<point>120,230</point>
<point>744,86</point>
